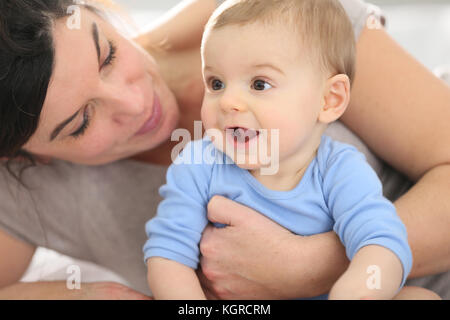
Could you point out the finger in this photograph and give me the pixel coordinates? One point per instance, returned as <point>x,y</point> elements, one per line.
<point>220,210</point>
<point>225,211</point>
<point>209,295</point>
<point>206,285</point>
<point>206,234</point>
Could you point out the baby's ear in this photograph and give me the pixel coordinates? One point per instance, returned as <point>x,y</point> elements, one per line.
<point>336,98</point>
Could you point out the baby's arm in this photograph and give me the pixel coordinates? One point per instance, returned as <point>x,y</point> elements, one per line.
<point>172,249</point>
<point>170,280</point>
<point>374,273</point>
<point>374,237</point>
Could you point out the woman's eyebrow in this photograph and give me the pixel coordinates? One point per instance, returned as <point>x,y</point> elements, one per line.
<point>63,124</point>
<point>96,40</point>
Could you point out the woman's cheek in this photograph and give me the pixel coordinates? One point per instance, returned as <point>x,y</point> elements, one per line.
<point>99,146</point>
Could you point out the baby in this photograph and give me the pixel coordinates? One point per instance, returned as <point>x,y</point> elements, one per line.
<point>277,72</point>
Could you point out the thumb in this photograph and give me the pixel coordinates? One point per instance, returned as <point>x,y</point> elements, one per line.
<point>225,211</point>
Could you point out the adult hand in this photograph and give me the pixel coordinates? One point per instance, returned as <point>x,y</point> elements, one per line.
<point>248,259</point>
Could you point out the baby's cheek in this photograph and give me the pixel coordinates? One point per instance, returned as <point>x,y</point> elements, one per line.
<point>279,124</point>
<point>286,135</point>
<point>209,117</point>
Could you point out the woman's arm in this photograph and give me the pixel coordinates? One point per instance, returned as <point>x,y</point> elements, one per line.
<point>398,107</point>
<point>15,259</point>
<point>179,28</point>
<point>401,111</point>
<point>57,290</point>
<point>15,256</point>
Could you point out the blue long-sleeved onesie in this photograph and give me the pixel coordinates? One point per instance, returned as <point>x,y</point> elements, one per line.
<point>339,191</point>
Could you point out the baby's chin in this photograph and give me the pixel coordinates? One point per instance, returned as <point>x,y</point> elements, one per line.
<point>248,166</point>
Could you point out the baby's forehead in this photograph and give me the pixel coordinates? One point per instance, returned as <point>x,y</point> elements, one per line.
<point>258,39</point>
<point>266,32</point>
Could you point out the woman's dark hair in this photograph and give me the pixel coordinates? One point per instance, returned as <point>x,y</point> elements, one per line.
<point>26,65</point>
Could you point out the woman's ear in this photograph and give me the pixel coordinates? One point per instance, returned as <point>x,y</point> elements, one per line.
<point>335,99</point>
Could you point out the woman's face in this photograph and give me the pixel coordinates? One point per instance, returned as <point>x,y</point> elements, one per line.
<point>106,99</point>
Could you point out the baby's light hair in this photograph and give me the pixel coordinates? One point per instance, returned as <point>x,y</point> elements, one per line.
<point>322,25</point>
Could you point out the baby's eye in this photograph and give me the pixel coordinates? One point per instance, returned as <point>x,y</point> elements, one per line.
<point>216,84</point>
<point>261,85</point>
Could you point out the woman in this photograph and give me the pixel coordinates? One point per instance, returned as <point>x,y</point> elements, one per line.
<point>79,97</point>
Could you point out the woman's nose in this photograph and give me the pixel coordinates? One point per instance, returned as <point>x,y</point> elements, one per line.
<point>127,102</point>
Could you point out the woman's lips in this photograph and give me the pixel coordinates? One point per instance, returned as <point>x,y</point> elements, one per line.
<point>154,119</point>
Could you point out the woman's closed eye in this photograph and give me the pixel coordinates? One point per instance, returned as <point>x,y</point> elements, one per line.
<point>86,121</point>
<point>86,112</point>
<point>111,56</point>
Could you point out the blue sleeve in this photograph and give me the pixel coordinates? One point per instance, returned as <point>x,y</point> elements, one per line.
<point>362,215</point>
<point>175,232</point>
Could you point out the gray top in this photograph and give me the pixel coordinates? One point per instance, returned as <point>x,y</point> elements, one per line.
<point>98,213</point>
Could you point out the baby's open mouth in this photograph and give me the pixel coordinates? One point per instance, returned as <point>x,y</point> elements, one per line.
<point>243,135</point>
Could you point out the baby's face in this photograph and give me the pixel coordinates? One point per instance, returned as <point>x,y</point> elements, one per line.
<point>259,77</point>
